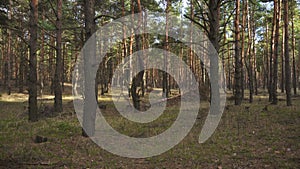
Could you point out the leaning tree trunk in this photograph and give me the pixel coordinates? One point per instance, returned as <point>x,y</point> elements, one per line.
<point>286,53</point>
<point>32,84</point>
<point>58,68</point>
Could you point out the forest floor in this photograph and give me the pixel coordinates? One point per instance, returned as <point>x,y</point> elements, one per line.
<point>257,135</point>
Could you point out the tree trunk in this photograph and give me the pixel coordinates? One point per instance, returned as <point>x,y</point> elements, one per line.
<point>242,48</point>
<point>282,85</point>
<point>131,47</point>
<point>166,54</point>
<point>277,10</point>
<point>229,67</point>
<point>249,65</point>
<point>22,69</point>
<point>254,66</point>
<point>90,102</point>
<point>266,60</point>
<point>272,51</point>
<point>51,63</point>
<point>237,75</point>
<point>33,116</point>
<point>16,59</point>
<point>294,59</point>
<point>214,37</point>
<point>286,53</point>
<point>58,68</point>
<point>124,52</point>
<point>9,52</point>
<point>41,72</point>
<point>138,79</point>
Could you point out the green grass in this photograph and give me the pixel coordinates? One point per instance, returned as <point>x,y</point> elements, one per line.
<point>245,138</point>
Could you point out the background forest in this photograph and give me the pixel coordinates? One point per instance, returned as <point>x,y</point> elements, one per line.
<point>258,43</point>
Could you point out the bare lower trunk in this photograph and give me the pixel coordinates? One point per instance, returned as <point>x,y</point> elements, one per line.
<point>90,102</point>
<point>287,57</point>
<point>294,59</point>
<point>32,84</point>
<point>275,55</point>
<point>58,68</point>
<point>9,52</point>
<point>237,76</point>
<point>282,80</point>
<point>137,81</point>
<point>272,51</point>
<point>214,36</point>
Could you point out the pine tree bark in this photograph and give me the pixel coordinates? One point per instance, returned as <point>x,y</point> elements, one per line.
<point>124,52</point>
<point>249,65</point>
<point>286,53</point>
<point>166,48</point>
<point>282,80</point>
<point>214,37</point>
<point>237,75</point>
<point>22,70</point>
<point>58,67</point>
<point>138,79</point>
<point>242,48</point>
<point>277,10</point>
<point>266,61</point>
<point>90,102</point>
<point>41,72</point>
<point>51,63</point>
<point>9,52</point>
<point>294,59</point>
<point>255,74</point>
<point>32,84</point>
<point>272,51</point>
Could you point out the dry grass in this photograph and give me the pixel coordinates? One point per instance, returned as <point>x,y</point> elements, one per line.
<point>249,136</point>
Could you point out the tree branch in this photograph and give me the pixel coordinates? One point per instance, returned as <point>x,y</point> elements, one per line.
<point>101,16</point>
<point>202,26</point>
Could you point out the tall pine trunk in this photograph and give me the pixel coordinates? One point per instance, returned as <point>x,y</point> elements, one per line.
<point>9,55</point>
<point>282,85</point>
<point>237,75</point>
<point>266,60</point>
<point>272,51</point>
<point>249,65</point>
<point>214,37</point>
<point>90,102</point>
<point>286,53</point>
<point>294,59</point>
<point>59,67</point>
<point>32,84</point>
<point>138,79</point>
<point>166,53</point>
<point>277,10</point>
<point>242,48</point>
